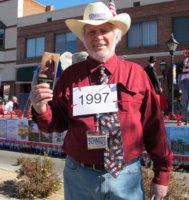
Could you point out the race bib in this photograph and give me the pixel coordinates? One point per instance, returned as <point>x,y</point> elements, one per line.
<point>95,99</point>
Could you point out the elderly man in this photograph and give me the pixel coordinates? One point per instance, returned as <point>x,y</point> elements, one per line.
<point>110,125</point>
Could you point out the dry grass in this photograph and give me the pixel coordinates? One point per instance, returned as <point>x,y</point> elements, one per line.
<point>177,187</point>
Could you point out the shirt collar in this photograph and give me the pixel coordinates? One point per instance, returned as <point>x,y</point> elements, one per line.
<point>110,65</point>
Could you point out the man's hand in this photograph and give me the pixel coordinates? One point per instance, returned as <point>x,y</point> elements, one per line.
<point>158,192</point>
<point>40,95</point>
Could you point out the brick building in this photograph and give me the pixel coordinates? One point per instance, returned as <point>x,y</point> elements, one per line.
<point>152,23</point>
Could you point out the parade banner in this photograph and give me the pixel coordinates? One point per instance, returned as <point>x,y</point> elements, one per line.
<point>46,137</point>
<point>22,130</point>
<point>24,134</point>
<point>58,138</point>
<point>3,128</point>
<point>178,139</point>
<point>34,133</point>
<point>12,129</point>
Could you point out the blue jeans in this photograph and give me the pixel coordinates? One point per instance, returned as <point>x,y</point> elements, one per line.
<point>83,183</point>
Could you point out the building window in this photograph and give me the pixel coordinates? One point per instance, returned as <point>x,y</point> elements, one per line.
<point>143,34</point>
<point>65,42</point>
<point>35,47</point>
<point>181,29</point>
<point>136,4</point>
<point>2,35</point>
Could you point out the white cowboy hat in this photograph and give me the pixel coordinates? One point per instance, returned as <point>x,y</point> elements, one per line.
<point>96,14</point>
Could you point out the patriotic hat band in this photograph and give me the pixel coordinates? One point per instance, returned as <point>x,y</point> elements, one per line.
<point>96,14</point>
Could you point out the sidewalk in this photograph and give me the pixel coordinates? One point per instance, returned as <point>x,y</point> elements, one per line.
<point>8,175</point>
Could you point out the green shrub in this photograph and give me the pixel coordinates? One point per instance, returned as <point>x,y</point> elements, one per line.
<point>36,177</point>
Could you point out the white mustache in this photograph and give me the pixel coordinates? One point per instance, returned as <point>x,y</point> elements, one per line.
<point>99,44</point>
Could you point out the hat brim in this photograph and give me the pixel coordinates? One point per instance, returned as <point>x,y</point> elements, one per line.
<point>121,21</point>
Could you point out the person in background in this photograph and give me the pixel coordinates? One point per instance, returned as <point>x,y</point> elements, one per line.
<point>179,67</point>
<point>93,135</point>
<point>15,103</point>
<point>185,87</point>
<point>152,74</point>
<point>12,105</point>
<point>1,106</point>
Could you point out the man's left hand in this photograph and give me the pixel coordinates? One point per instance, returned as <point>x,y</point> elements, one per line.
<point>158,191</point>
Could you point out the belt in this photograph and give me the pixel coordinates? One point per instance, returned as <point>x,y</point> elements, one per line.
<point>97,167</point>
<point>100,167</point>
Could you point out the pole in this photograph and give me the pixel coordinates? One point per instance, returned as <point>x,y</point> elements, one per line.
<point>172,86</point>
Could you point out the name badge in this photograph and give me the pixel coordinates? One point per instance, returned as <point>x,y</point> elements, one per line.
<point>95,99</point>
<point>96,140</point>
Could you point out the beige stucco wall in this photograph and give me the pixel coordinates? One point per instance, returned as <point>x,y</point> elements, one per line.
<point>8,15</point>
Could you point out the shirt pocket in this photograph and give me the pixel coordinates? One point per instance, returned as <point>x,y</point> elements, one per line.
<point>130,101</point>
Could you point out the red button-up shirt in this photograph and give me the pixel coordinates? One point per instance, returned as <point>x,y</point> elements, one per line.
<point>142,125</point>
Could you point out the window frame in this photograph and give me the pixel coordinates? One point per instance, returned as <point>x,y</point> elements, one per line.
<point>180,38</point>
<point>142,39</point>
<point>66,41</point>
<point>35,46</point>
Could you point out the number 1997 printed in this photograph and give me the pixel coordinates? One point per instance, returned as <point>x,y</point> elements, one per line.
<point>94,98</point>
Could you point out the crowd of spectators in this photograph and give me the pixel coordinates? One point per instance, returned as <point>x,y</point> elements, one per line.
<point>7,107</point>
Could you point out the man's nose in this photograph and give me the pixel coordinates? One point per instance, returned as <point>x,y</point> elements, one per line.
<point>98,34</point>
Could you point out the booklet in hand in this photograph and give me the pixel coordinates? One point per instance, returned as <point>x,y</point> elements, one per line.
<point>49,65</point>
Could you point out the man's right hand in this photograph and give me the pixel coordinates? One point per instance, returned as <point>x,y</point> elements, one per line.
<point>40,95</point>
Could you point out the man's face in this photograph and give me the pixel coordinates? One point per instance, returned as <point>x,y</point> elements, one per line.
<point>14,99</point>
<point>100,41</point>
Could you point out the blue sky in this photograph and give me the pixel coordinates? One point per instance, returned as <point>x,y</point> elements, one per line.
<point>58,4</point>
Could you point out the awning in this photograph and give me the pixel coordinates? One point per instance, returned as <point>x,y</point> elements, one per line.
<point>25,73</point>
